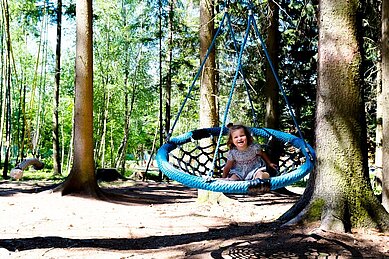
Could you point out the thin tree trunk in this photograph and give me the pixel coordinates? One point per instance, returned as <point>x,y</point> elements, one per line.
<point>379,114</point>
<point>104,131</point>
<point>168,85</point>
<point>160,117</point>
<point>385,95</point>
<point>70,152</point>
<point>3,83</point>
<point>122,150</point>
<point>129,105</point>
<point>24,123</point>
<point>57,78</point>
<point>7,87</point>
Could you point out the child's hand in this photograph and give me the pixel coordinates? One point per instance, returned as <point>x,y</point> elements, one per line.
<point>274,166</point>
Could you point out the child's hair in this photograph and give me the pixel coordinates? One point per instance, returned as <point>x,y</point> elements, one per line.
<point>233,128</point>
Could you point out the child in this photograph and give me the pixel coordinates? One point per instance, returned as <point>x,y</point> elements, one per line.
<point>245,159</point>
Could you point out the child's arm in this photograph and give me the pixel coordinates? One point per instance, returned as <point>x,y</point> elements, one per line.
<point>227,168</point>
<point>267,160</point>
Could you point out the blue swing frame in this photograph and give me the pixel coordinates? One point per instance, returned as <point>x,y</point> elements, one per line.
<point>237,187</point>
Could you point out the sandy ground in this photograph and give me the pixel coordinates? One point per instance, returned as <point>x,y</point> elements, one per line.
<point>166,222</point>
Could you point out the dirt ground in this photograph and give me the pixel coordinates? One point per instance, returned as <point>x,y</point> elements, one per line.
<point>164,221</point>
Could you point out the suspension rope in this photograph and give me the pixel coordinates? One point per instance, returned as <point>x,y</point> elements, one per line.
<point>239,71</point>
<point>197,75</point>
<point>242,74</point>
<point>238,68</point>
<point>250,7</point>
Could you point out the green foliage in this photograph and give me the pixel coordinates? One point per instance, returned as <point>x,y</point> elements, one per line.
<point>299,38</point>
<point>370,38</point>
<point>126,70</point>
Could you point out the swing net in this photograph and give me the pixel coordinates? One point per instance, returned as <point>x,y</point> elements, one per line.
<point>196,158</point>
<point>185,160</point>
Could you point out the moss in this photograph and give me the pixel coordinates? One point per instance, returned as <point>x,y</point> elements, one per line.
<point>315,210</point>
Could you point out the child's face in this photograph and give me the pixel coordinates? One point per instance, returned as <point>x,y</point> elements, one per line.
<point>239,139</point>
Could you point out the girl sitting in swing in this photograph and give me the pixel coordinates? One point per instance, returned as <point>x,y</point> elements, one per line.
<point>245,159</point>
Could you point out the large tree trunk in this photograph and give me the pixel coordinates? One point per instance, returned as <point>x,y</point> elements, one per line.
<point>56,152</point>
<point>340,192</point>
<point>208,113</point>
<point>271,87</point>
<point>385,95</point>
<point>82,180</point>
<point>271,91</point>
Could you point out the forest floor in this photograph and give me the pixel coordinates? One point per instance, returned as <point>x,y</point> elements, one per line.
<point>164,221</point>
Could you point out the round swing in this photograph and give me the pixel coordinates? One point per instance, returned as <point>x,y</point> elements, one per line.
<point>196,158</point>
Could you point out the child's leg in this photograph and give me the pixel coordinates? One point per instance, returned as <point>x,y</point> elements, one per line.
<point>233,177</point>
<point>261,175</point>
<point>264,187</point>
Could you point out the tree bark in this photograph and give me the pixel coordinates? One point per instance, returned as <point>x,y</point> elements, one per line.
<point>160,117</point>
<point>379,114</point>
<point>82,180</point>
<point>385,96</point>
<point>56,147</point>
<point>168,85</point>
<point>7,93</point>
<point>104,130</point>
<point>208,113</point>
<point>341,195</point>
<point>271,88</point>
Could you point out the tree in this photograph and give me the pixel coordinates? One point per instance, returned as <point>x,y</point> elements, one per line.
<point>6,104</point>
<point>385,95</point>
<point>271,88</point>
<point>208,113</point>
<point>56,152</point>
<point>81,179</point>
<point>339,192</point>
<point>169,59</point>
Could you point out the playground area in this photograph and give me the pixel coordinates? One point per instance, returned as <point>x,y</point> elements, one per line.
<point>164,221</point>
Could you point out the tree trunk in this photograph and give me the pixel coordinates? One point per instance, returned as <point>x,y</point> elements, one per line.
<point>168,85</point>
<point>271,91</point>
<point>340,194</point>
<point>104,131</point>
<point>129,106</point>
<point>385,96</point>
<point>160,117</point>
<point>121,156</point>
<point>7,93</point>
<point>271,88</point>
<point>82,180</point>
<point>379,114</point>
<point>56,148</point>
<point>208,113</point>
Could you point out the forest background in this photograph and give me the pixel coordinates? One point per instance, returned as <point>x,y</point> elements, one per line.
<point>142,48</point>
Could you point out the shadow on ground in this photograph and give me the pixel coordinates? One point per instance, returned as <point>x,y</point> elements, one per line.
<point>261,241</point>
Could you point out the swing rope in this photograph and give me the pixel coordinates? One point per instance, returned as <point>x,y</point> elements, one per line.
<point>293,173</point>
<point>282,90</point>
<point>196,77</point>
<point>238,68</point>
